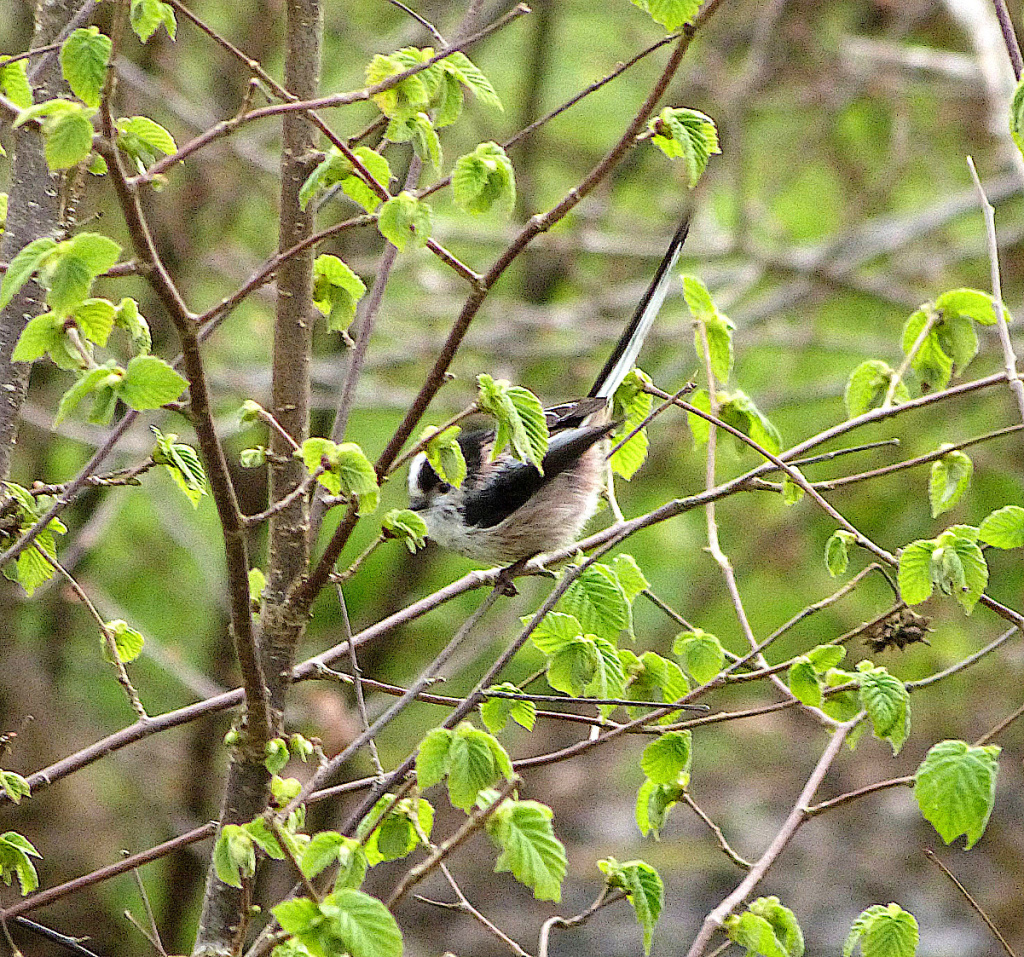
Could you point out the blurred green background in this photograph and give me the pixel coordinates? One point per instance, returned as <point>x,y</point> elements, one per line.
<point>841,201</point>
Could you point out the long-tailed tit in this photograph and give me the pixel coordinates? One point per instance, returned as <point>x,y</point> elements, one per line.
<point>506,510</point>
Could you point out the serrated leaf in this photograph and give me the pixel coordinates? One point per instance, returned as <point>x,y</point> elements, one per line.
<point>83,60</point>
<point>824,657</point>
<point>631,404</point>
<point>405,525</point>
<point>653,802</point>
<point>529,849</point>
<point>484,179</point>
<point>521,424</point>
<point>433,758</point>
<point>336,291</point>
<point>685,134</point>
<point>972,303</point>
<point>128,317</point>
<point>630,577</point>
<point>68,141</point>
<point>667,759</point>
<point>755,933</point>
<point>597,601</point>
<point>14,83</point>
<point>14,786</point>
<point>28,259</point>
<point>444,454</point>
<point>948,481</point>
<point>40,335</point>
<point>883,932</point>
<point>887,702</point>
<point>802,678</point>
<point>146,16</point>
<point>1003,528</point>
<point>15,854</point>
<point>644,890</point>
<point>955,789</point>
<point>572,667</point>
<point>867,386</point>
<point>701,654</point>
<point>915,572</point>
<point>476,761</point>
<point>609,676</point>
<point>405,221</point>
<point>95,319</point>
<point>127,641</point>
<point>347,921</point>
<point>555,631</point>
<point>150,383</point>
<point>234,855</point>
<point>416,128</point>
<point>459,65</point>
<point>410,96</point>
<point>652,678</point>
<point>495,712</point>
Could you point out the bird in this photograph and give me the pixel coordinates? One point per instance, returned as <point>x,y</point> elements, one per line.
<point>508,510</point>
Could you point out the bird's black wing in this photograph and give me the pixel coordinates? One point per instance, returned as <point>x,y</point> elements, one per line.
<point>508,484</point>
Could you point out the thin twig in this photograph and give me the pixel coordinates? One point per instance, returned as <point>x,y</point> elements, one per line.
<point>975,906</point>
<point>1009,358</point>
<point>717,831</point>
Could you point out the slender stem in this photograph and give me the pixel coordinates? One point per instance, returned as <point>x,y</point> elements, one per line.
<point>1009,37</point>
<point>988,211</point>
<point>717,831</point>
<point>898,376</point>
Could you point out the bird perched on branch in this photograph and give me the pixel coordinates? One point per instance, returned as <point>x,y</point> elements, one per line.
<point>506,509</point>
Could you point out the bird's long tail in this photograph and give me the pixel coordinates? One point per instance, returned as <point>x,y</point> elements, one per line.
<point>628,347</point>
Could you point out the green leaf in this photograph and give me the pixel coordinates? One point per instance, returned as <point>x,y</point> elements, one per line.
<point>404,221</point>
<point>667,759</point>
<point>337,168</point>
<point>521,424</point>
<point>349,471</point>
<point>257,583</point>
<point>630,577</point>
<point>128,317</point>
<point>15,854</point>
<point>95,319</point>
<point>529,849</point>
<point>632,405</point>
<point>68,140</point>
<point>915,572</point>
<point>739,410</point>
<point>408,97</point>
<point>483,179</point>
<point>127,641</point>
<point>405,525</point>
<point>700,653</point>
<point>150,383</point>
<point>961,571</point>
<point>949,479</point>
<point>475,761</point>
<point>883,932</point>
<point>14,786</point>
<point>459,65</point>
<point>644,890</point>
<point>653,802</point>
<point>40,335</point>
<point>802,679</point>
<point>824,657</point>
<point>685,134</point>
<point>1003,528</point>
<point>275,755</point>
<point>755,933</point>
<point>336,291</point>
<point>419,130</point>
<point>671,14</point>
<point>400,825</point>
<point>791,491</point>
<point>433,758</point>
<point>144,140</point>
<point>598,602</point>
<point>555,632</point>
<point>608,680</point>
<point>718,327</point>
<point>83,60</point>
<point>652,678</point>
<point>573,666</point>
<point>887,702</point>
<point>347,921</point>
<point>14,83</point>
<point>783,923</point>
<point>974,304</point>
<point>234,855</point>
<point>867,387</point>
<point>931,363</point>
<point>495,712</point>
<point>1017,116</point>
<point>444,454</point>
<point>846,704</point>
<point>183,464</point>
<point>28,259</point>
<point>146,16</point>
<point>955,788</point>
